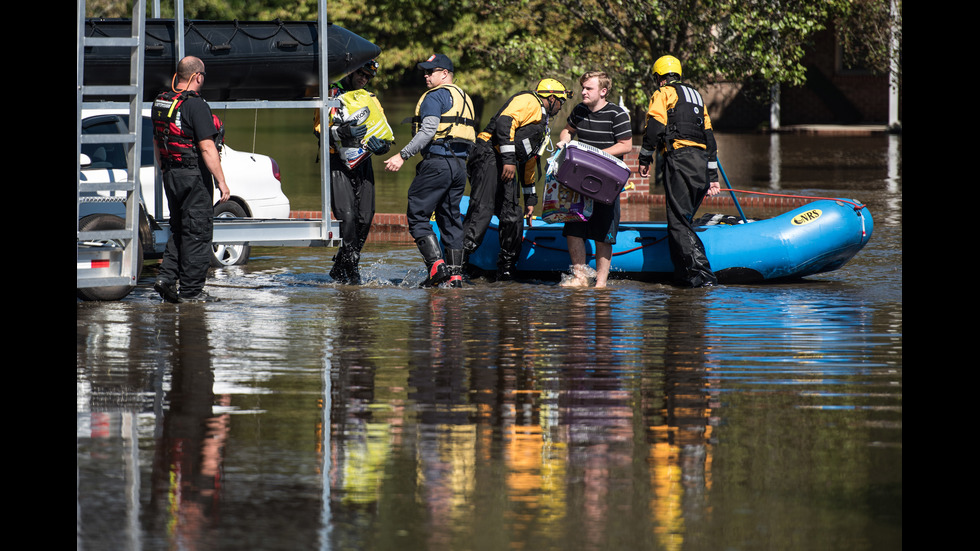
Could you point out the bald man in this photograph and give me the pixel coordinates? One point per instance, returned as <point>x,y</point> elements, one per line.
<point>186,140</point>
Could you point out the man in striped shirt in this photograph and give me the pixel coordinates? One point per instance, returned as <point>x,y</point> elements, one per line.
<point>604,125</point>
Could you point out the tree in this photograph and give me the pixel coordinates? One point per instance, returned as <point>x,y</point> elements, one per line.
<point>637,32</point>
<point>499,46</point>
<point>864,29</point>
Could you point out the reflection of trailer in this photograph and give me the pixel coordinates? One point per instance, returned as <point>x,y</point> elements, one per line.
<point>113,231</point>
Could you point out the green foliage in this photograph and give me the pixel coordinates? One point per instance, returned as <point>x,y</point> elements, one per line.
<point>500,46</point>
<point>863,29</point>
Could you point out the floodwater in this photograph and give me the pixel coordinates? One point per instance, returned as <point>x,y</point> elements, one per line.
<point>301,414</point>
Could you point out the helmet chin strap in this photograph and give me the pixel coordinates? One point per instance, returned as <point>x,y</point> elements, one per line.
<point>554,106</point>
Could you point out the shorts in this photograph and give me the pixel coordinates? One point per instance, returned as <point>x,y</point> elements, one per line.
<point>602,227</point>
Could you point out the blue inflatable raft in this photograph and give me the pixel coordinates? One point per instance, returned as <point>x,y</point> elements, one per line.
<point>818,237</point>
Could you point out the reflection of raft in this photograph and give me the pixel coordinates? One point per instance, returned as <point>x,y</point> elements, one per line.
<point>245,60</point>
<point>818,237</point>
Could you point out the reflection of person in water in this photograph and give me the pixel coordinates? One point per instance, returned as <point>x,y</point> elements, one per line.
<point>359,442</point>
<point>678,413</point>
<point>447,432</point>
<point>595,408</point>
<point>189,453</point>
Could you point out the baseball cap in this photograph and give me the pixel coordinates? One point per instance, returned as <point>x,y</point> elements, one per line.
<point>437,61</point>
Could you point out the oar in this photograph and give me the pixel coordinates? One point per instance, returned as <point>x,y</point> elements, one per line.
<point>727,183</point>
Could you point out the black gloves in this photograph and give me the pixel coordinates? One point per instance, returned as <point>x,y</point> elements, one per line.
<point>350,135</point>
<point>377,146</point>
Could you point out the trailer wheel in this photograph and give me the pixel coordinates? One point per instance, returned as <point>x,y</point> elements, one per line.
<point>99,222</point>
<point>229,255</point>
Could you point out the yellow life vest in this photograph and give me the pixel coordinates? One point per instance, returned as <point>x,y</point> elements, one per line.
<point>457,123</point>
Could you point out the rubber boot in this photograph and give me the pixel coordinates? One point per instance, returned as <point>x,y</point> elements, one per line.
<point>438,270</point>
<point>341,270</point>
<point>167,290</point>
<point>469,270</point>
<point>455,258</point>
<point>338,273</point>
<point>353,271</point>
<point>505,267</point>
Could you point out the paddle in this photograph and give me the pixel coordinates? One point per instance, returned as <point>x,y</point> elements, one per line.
<point>735,199</point>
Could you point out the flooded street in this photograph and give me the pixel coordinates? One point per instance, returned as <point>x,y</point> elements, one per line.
<point>301,414</point>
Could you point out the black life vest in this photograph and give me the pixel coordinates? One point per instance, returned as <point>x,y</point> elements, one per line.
<point>685,120</point>
<point>176,145</point>
<point>527,138</point>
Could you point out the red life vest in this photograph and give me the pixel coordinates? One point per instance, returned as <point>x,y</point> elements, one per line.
<point>176,146</point>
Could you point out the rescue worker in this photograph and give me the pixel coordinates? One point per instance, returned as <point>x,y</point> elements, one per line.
<point>351,190</point>
<point>443,131</point>
<point>184,141</point>
<point>502,169</point>
<point>679,127</point>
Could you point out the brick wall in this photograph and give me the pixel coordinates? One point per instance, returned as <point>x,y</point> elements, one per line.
<point>637,187</point>
<point>830,96</point>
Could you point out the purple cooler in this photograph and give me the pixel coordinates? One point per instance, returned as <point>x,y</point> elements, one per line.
<point>592,172</point>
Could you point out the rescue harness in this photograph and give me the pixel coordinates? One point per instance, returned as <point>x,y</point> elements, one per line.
<point>177,148</point>
<point>685,120</point>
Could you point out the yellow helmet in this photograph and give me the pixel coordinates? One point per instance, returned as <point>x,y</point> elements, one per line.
<point>667,64</point>
<point>551,87</point>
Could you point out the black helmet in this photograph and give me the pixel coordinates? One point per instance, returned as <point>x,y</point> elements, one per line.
<point>371,68</point>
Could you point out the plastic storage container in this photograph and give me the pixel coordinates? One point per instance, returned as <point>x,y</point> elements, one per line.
<point>592,172</point>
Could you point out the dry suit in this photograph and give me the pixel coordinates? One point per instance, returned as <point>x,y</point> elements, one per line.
<point>678,125</point>
<point>512,137</point>
<point>352,203</point>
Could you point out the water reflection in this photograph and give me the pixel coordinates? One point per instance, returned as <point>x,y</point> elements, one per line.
<point>299,414</point>
<point>187,466</point>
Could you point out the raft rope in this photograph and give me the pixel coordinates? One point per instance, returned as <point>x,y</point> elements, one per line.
<point>634,249</point>
<point>857,208</point>
<point>729,184</point>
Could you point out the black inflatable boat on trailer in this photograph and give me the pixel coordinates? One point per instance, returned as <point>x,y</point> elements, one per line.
<point>271,60</point>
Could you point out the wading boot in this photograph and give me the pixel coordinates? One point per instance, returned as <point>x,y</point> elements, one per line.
<point>455,258</point>
<point>353,271</point>
<point>345,267</point>
<point>167,289</point>
<point>339,271</point>
<point>505,267</point>
<point>505,272</point>
<point>436,267</point>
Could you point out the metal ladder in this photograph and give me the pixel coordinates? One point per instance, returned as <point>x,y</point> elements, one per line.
<point>110,257</point>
